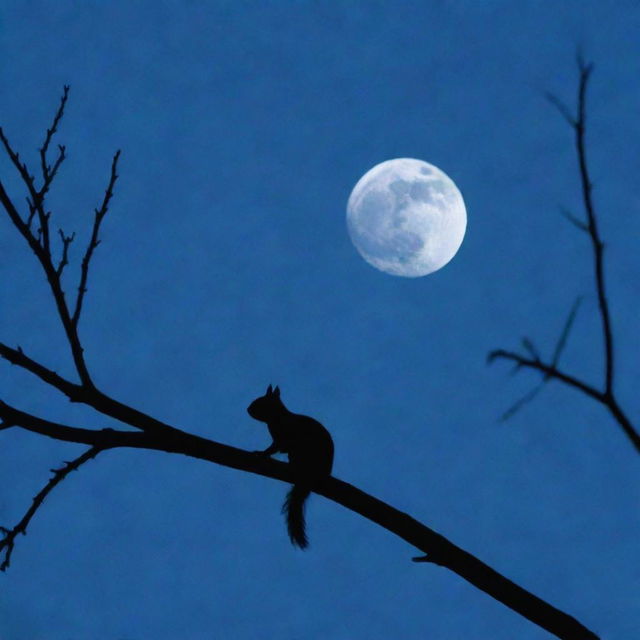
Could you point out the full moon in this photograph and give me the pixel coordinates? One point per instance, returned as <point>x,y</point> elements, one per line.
<point>406,217</point>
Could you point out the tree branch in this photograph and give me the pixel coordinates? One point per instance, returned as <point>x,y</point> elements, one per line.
<point>17,357</point>
<point>48,174</point>
<point>7,542</point>
<point>603,398</point>
<point>596,242</point>
<point>607,396</point>
<point>439,550</point>
<point>87,395</point>
<point>578,124</point>
<point>43,255</point>
<point>94,241</point>
<point>547,369</point>
<point>64,260</point>
<point>36,201</point>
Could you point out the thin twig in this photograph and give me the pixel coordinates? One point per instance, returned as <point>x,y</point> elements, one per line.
<point>596,242</point>
<point>565,112</point>
<point>523,401</point>
<point>66,241</point>
<point>8,540</point>
<point>47,173</point>
<point>94,241</point>
<point>51,173</point>
<point>566,330</point>
<point>574,220</point>
<point>547,370</point>
<point>35,202</point>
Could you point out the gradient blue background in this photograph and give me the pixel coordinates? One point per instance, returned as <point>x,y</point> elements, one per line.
<point>226,265</point>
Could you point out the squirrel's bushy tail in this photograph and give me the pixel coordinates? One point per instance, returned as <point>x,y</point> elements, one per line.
<point>293,508</point>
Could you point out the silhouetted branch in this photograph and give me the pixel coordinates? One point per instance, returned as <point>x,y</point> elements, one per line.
<point>7,542</point>
<point>94,241</point>
<point>523,401</point>
<point>40,244</point>
<point>566,330</point>
<point>607,396</point>
<point>152,434</point>
<point>439,550</point>
<point>48,173</point>
<point>66,241</point>
<point>548,370</point>
<point>573,220</point>
<point>18,357</point>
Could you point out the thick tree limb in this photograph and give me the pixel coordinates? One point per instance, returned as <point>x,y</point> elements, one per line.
<point>439,550</point>
<point>87,395</point>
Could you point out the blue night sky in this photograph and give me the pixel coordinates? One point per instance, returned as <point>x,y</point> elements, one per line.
<point>226,265</point>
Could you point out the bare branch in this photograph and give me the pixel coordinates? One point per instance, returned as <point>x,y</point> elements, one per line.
<point>51,173</point>
<point>596,242</point>
<point>524,400</point>
<point>42,252</point>
<point>566,330</point>
<point>8,541</point>
<point>605,399</point>
<point>87,395</point>
<point>607,395</point>
<point>535,357</point>
<point>36,198</point>
<point>438,549</point>
<point>530,347</point>
<point>108,438</point>
<point>66,241</point>
<point>561,107</point>
<point>574,221</point>
<point>17,357</point>
<point>22,226</point>
<point>48,174</point>
<point>547,369</point>
<point>94,241</point>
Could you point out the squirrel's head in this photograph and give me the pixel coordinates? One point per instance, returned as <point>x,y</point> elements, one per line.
<point>267,406</point>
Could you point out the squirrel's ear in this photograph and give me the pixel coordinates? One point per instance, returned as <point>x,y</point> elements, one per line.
<point>276,392</point>
<point>269,390</point>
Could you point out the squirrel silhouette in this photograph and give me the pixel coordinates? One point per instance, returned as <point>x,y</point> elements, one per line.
<point>310,450</point>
